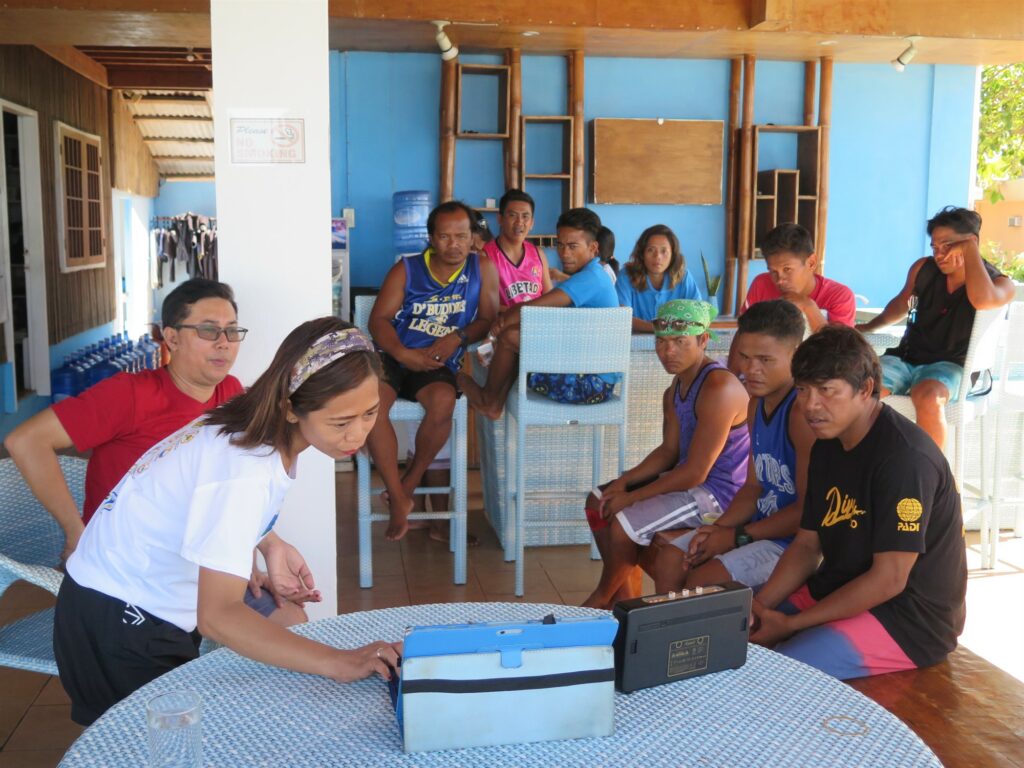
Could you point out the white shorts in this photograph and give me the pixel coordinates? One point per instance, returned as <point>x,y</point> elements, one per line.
<point>750,564</point>
<point>443,460</point>
<point>679,509</point>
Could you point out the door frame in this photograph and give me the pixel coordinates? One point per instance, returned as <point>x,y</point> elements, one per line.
<point>30,159</point>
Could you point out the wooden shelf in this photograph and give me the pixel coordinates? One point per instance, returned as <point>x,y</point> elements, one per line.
<point>786,194</point>
<point>485,210</point>
<point>499,71</point>
<point>547,176</point>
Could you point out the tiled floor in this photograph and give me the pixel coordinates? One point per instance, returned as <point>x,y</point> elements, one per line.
<point>35,727</point>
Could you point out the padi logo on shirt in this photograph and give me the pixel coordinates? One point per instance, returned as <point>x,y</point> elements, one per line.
<point>840,509</point>
<point>909,512</point>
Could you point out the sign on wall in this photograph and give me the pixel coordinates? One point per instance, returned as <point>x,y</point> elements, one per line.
<point>268,140</point>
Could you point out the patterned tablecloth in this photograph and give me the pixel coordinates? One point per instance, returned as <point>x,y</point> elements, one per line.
<point>773,711</point>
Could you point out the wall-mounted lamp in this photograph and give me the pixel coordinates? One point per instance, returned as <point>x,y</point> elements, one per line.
<point>901,61</point>
<point>448,50</point>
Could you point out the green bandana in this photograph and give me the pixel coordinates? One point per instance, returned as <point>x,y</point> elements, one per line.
<point>684,317</point>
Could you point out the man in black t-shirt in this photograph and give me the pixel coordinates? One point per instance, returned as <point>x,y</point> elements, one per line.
<point>881,514</point>
<point>939,301</point>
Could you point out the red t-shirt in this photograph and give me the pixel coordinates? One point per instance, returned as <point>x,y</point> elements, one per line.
<point>123,417</point>
<point>834,299</point>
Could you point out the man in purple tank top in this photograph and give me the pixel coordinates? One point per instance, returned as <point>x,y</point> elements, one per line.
<point>699,466</point>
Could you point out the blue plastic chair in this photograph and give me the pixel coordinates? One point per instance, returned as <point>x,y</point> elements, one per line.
<point>407,410</point>
<point>31,543</point>
<point>563,341</point>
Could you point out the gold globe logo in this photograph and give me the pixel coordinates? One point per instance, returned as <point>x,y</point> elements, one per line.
<point>909,510</point>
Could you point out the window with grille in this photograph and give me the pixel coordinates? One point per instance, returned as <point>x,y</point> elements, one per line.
<point>79,199</point>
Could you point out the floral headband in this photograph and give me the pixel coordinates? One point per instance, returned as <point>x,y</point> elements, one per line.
<point>325,351</point>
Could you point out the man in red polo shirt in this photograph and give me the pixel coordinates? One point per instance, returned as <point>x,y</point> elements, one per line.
<point>122,417</point>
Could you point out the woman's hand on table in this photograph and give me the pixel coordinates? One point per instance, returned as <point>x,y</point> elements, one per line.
<point>378,657</point>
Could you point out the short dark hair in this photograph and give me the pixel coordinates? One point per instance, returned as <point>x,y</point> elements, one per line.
<point>582,219</point>
<point>837,352</point>
<point>777,318</point>
<point>452,206</point>
<point>178,303</point>
<point>788,238</point>
<point>515,196</point>
<point>482,229</point>
<point>960,220</point>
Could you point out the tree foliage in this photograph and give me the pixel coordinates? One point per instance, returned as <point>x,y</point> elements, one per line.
<point>1001,128</point>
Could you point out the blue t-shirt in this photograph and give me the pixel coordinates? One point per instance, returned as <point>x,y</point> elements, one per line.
<point>645,303</point>
<point>590,288</point>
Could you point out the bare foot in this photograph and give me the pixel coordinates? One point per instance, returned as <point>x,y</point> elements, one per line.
<point>398,525</point>
<point>595,601</point>
<point>475,396</point>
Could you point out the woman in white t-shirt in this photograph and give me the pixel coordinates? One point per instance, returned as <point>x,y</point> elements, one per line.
<point>168,554</point>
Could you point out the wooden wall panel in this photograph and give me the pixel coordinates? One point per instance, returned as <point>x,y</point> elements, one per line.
<point>133,167</point>
<point>76,301</point>
<point>657,161</point>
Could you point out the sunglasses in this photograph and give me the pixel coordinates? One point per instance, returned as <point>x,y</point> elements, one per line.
<point>664,324</point>
<point>213,332</point>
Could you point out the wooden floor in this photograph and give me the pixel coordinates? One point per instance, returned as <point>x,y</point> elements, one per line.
<point>35,727</point>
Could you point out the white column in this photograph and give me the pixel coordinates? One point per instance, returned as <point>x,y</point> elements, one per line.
<point>270,60</point>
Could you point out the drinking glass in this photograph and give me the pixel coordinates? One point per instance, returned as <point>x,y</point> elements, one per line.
<point>175,730</point>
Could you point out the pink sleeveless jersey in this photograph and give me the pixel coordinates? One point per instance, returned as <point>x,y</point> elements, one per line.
<point>517,284</point>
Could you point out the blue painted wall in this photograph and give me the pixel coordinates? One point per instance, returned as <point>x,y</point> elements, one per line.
<point>184,196</point>
<point>901,148</point>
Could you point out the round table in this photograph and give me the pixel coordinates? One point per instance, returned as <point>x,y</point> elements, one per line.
<point>771,711</point>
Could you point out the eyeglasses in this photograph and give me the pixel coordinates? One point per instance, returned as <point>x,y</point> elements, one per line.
<point>212,332</point>
<point>663,324</point>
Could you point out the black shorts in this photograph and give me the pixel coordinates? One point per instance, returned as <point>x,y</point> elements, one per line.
<point>407,382</point>
<point>107,649</point>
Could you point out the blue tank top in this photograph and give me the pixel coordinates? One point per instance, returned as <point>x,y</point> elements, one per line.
<point>729,471</point>
<point>774,460</point>
<point>432,310</point>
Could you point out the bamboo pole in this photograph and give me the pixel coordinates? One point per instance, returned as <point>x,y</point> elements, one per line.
<point>576,199</point>
<point>810,76</point>
<point>746,194</point>
<point>447,164</point>
<point>735,72</point>
<point>825,123</point>
<point>513,158</point>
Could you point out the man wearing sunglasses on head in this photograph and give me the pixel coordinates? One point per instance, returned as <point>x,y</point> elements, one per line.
<point>123,416</point>
<point>939,301</point>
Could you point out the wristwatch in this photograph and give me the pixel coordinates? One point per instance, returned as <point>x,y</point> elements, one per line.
<point>742,537</point>
<point>463,337</point>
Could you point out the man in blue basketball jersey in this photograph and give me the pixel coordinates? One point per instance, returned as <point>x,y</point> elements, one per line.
<point>746,542</point>
<point>430,307</point>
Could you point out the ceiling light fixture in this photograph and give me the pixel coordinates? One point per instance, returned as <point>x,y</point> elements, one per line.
<point>901,61</point>
<point>448,50</point>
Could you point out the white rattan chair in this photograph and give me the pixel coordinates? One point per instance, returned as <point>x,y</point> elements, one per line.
<point>407,410</point>
<point>1005,416</point>
<point>31,543</point>
<point>562,341</point>
<point>971,404</point>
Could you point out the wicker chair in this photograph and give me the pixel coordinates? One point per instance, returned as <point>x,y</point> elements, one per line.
<point>970,405</point>
<point>31,543</point>
<point>406,410</point>
<point>563,341</point>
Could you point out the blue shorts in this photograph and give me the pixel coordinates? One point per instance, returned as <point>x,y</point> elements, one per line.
<point>571,388</point>
<point>900,377</point>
